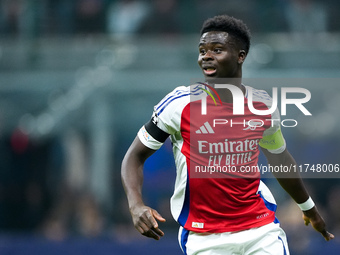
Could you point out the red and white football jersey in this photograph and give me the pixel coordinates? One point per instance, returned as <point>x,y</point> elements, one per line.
<point>217,186</point>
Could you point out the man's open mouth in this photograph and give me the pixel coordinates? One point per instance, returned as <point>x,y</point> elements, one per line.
<point>209,70</point>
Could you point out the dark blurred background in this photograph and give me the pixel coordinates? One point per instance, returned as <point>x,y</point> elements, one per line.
<point>79,78</point>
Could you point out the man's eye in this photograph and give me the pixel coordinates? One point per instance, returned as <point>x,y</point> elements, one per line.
<point>202,51</point>
<point>217,50</point>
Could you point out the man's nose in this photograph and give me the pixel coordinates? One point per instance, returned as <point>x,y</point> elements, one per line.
<point>207,56</point>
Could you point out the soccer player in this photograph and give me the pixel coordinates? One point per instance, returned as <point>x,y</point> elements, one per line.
<point>220,206</point>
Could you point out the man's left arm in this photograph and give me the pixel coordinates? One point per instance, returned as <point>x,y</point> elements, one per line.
<point>293,185</point>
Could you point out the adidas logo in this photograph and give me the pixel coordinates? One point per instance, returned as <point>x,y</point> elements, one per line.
<point>205,129</point>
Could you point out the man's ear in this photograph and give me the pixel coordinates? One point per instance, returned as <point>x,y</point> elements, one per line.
<point>241,56</point>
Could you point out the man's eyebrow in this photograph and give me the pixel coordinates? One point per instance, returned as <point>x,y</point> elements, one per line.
<point>216,42</point>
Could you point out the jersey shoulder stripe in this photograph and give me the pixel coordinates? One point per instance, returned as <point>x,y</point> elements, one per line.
<point>177,93</point>
<point>258,95</point>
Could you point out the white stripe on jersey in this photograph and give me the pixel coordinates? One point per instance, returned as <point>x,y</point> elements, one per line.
<point>177,199</point>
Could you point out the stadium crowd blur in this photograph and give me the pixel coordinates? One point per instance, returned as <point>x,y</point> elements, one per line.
<point>62,17</point>
<point>33,199</point>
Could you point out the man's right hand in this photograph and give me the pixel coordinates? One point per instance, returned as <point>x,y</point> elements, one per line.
<point>145,221</point>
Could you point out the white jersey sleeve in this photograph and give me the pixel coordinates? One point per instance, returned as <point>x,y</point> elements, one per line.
<point>273,139</point>
<point>165,119</point>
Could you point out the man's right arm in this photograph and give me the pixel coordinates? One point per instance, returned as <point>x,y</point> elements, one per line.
<point>144,218</point>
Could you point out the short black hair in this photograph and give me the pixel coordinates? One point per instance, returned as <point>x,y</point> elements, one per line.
<point>235,27</point>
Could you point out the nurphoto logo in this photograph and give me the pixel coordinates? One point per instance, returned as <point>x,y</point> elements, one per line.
<point>238,101</point>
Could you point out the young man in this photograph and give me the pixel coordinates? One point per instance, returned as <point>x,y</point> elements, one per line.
<point>230,212</point>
